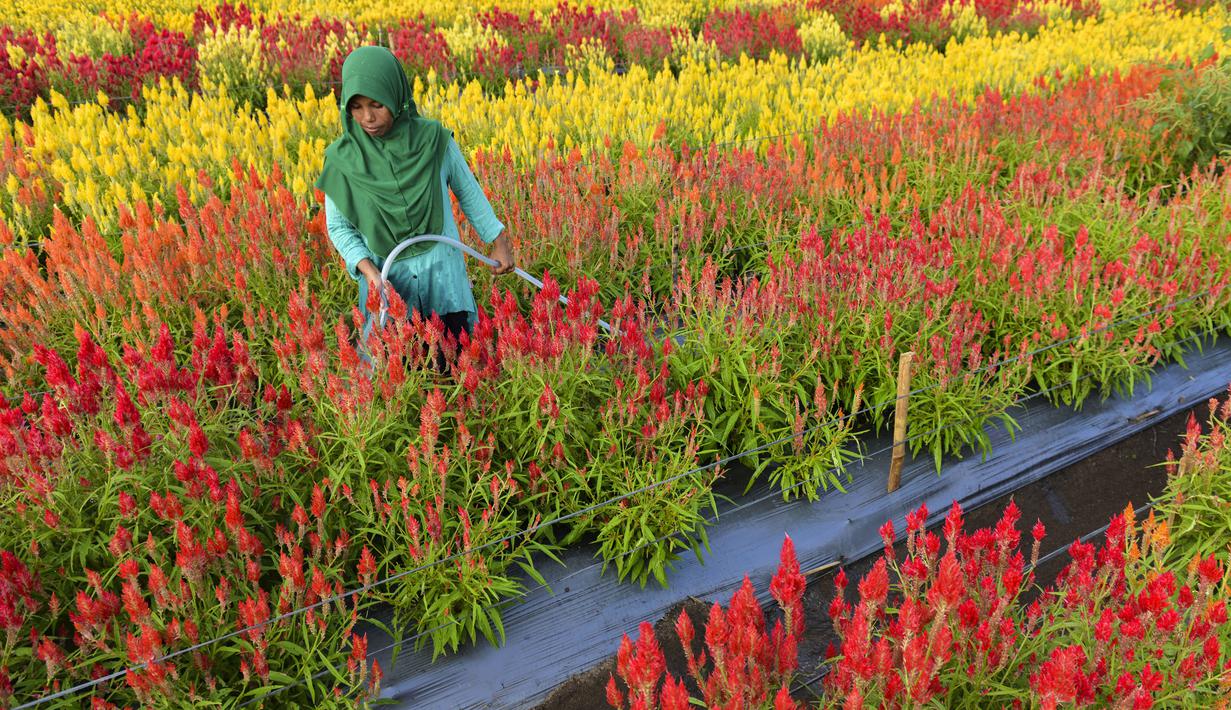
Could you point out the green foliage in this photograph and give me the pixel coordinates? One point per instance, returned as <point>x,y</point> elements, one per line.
<point>1194,126</point>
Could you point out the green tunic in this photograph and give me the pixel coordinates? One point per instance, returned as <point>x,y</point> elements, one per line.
<point>434,281</point>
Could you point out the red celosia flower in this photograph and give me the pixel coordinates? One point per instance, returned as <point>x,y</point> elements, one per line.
<point>253,614</point>
<point>949,585</point>
<point>874,587</point>
<point>886,532</point>
<point>1210,571</point>
<point>127,504</point>
<point>912,615</point>
<point>1061,678</point>
<point>218,544</point>
<point>784,701</point>
<point>953,523</point>
<point>300,516</point>
<point>674,696</point>
<point>787,586</point>
<point>55,419</point>
<point>121,541</point>
<point>367,565</point>
<point>198,444</point>
<point>125,412</point>
<point>548,404</point>
<point>614,697</point>
<point>914,568</point>
<point>968,614</point>
<point>1151,680</point>
<point>645,665</point>
<point>50,653</point>
<point>318,502</point>
<point>1211,651</point>
<point>234,517</point>
<point>917,519</point>
<point>134,601</point>
<point>128,569</point>
<point>291,569</point>
<point>1006,528</point>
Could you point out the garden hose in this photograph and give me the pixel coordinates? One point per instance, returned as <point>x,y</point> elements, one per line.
<point>384,275</point>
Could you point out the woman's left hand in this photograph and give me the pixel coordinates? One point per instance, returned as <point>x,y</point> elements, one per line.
<point>502,252</point>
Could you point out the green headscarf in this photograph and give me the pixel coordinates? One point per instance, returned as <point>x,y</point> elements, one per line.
<point>388,187</point>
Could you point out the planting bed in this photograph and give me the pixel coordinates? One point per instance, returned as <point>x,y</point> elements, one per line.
<point>552,637</point>
<point>1073,502</point>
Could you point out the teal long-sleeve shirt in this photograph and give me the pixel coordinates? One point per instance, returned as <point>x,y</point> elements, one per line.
<point>434,281</point>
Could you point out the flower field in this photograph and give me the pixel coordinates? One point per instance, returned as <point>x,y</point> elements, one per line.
<point>210,494</point>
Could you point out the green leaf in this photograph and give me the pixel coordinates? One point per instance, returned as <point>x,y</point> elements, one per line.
<point>533,573</point>
<point>729,426</point>
<point>479,618</point>
<point>292,648</point>
<point>282,678</point>
<point>657,567</point>
<point>703,539</point>
<point>498,620</point>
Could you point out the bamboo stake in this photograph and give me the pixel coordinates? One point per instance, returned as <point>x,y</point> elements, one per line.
<point>899,422</point>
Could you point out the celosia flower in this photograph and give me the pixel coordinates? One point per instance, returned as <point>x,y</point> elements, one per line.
<point>874,587</point>
<point>1210,571</point>
<point>787,587</point>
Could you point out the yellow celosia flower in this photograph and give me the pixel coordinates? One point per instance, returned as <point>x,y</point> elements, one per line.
<point>233,62</point>
<point>892,9</point>
<point>103,157</point>
<point>1118,7</point>
<point>588,58</point>
<point>965,20</point>
<point>1054,10</point>
<point>16,55</point>
<point>822,37</point>
<point>466,37</point>
<point>672,13</point>
<point>87,36</point>
<point>693,48</point>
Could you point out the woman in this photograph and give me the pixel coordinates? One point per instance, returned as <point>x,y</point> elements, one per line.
<point>386,179</point>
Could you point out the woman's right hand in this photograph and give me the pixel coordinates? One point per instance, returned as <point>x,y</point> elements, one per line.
<point>369,271</point>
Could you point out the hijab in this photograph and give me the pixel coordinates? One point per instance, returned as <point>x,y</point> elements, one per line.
<point>387,186</point>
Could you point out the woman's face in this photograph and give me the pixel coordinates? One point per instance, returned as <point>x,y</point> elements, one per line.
<point>373,117</point>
